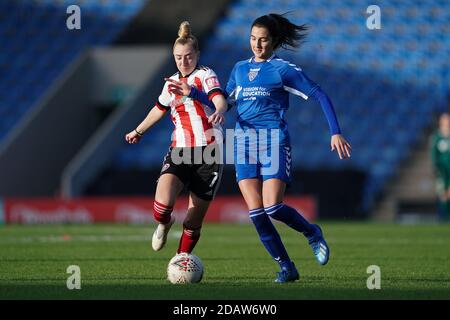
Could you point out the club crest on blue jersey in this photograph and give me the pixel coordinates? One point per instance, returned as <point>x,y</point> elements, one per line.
<point>252,74</point>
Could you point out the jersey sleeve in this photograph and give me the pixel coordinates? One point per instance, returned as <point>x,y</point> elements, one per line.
<point>230,90</point>
<point>211,84</point>
<point>328,110</point>
<point>296,81</point>
<point>163,102</point>
<point>231,85</point>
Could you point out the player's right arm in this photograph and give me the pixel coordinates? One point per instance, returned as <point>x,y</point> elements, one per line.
<point>155,114</point>
<point>152,117</point>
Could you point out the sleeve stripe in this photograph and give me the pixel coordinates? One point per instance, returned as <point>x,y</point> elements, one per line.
<point>214,92</point>
<point>296,92</point>
<point>161,106</point>
<point>232,93</point>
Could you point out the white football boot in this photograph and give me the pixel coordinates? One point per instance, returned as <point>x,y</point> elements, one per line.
<point>160,235</point>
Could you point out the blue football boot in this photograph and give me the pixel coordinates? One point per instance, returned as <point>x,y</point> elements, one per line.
<point>287,274</point>
<point>319,245</point>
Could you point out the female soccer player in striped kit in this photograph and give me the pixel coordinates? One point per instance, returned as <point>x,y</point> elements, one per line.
<point>195,123</point>
<point>260,87</point>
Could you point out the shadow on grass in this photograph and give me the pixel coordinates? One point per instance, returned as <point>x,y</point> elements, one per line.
<point>209,291</point>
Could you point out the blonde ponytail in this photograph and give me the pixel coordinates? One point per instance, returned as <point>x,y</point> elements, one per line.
<point>185,30</point>
<point>185,36</point>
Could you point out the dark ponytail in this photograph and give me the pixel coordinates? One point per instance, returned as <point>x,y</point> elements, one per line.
<point>284,33</point>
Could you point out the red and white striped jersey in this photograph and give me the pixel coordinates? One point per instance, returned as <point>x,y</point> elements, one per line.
<point>190,116</point>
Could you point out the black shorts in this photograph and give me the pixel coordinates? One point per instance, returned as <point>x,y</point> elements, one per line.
<point>199,176</point>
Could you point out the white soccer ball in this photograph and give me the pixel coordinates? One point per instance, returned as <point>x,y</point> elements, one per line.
<point>185,268</point>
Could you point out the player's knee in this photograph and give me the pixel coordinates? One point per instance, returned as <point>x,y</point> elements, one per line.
<point>254,203</point>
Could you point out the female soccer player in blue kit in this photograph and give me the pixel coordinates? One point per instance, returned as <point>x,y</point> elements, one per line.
<point>260,88</point>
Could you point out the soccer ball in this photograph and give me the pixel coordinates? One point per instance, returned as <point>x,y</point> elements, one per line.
<point>185,268</point>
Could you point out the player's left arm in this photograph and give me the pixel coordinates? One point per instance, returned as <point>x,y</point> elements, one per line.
<point>338,141</point>
<point>295,81</point>
<point>221,107</point>
<point>212,89</point>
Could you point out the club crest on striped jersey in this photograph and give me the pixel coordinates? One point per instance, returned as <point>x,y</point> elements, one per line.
<point>253,73</point>
<point>211,83</point>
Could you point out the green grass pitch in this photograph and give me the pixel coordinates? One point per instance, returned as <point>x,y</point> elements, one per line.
<point>117,262</point>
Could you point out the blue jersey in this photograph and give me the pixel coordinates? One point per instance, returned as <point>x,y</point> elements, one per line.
<point>260,91</point>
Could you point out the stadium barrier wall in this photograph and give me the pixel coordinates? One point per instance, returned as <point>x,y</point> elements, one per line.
<point>98,151</point>
<point>38,147</point>
<point>132,210</point>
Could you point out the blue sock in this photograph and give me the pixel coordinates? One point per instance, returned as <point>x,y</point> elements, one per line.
<point>291,217</point>
<point>269,237</point>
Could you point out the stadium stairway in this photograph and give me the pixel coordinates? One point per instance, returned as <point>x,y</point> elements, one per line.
<point>411,197</point>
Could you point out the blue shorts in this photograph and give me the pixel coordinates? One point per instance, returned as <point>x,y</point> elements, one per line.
<point>263,163</point>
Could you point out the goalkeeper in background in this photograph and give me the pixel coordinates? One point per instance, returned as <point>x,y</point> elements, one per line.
<point>440,155</point>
